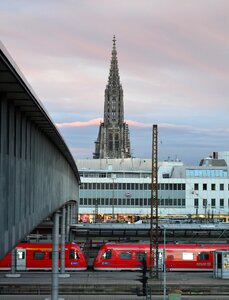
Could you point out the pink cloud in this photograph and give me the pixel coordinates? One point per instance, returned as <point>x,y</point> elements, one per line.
<point>92,122</point>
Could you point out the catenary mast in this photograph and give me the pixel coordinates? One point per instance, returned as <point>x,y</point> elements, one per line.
<point>113,138</point>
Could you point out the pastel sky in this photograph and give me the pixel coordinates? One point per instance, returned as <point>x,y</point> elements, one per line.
<point>173,60</point>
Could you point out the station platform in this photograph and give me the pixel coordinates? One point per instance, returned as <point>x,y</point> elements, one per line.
<point>113,283</point>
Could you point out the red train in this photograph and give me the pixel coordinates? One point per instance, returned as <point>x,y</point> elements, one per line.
<point>179,257</point>
<point>39,257</point>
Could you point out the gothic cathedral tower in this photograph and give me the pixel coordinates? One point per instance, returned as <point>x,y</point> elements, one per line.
<point>113,139</point>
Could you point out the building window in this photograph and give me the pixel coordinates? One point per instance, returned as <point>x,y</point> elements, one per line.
<point>205,202</point>
<point>212,202</point>
<point>213,186</point>
<point>221,203</point>
<point>196,202</point>
<point>221,187</point>
<point>204,186</point>
<point>183,202</point>
<point>196,186</point>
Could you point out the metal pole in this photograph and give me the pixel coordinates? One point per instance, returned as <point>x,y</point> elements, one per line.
<point>13,261</point>
<point>68,223</point>
<point>55,256</point>
<point>154,204</point>
<point>62,257</point>
<point>164,262</point>
<point>113,179</point>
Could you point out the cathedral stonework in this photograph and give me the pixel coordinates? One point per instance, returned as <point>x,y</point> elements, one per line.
<point>113,139</point>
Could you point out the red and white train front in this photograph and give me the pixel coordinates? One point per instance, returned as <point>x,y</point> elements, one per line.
<point>39,257</point>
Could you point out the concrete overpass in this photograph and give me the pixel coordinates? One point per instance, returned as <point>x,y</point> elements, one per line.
<point>38,174</point>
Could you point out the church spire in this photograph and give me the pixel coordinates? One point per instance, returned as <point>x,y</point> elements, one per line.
<point>114,79</point>
<point>113,138</point>
<point>113,104</point>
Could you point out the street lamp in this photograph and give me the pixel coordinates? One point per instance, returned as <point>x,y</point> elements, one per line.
<point>113,177</point>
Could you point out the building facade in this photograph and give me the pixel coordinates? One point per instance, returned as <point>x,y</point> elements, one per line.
<point>121,189</point>
<point>113,138</point>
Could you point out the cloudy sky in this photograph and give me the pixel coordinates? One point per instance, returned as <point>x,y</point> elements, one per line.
<point>173,61</point>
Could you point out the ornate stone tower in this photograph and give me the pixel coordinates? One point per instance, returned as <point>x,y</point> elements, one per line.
<point>113,139</point>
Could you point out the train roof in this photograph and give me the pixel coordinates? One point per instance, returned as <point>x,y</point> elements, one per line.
<point>167,246</point>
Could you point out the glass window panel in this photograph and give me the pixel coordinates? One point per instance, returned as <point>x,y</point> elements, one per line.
<point>38,255</point>
<point>125,255</point>
<point>107,254</point>
<point>73,254</point>
<point>141,255</point>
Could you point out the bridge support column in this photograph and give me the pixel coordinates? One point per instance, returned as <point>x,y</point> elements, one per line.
<point>63,235</point>
<point>68,223</point>
<point>13,273</point>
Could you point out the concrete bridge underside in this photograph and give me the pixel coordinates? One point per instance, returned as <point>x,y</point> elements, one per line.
<point>37,171</point>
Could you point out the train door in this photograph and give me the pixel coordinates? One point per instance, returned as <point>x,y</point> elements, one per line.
<point>20,259</point>
<point>160,259</point>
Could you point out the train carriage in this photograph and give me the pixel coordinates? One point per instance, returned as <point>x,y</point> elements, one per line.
<point>30,256</point>
<point>179,257</point>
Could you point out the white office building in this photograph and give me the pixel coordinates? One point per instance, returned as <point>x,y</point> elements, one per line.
<point>121,189</point>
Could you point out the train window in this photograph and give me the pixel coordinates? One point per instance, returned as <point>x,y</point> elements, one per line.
<point>126,255</point>
<point>107,254</point>
<point>141,255</point>
<point>73,254</point>
<point>203,256</point>
<point>20,255</point>
<point>38,255</point>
